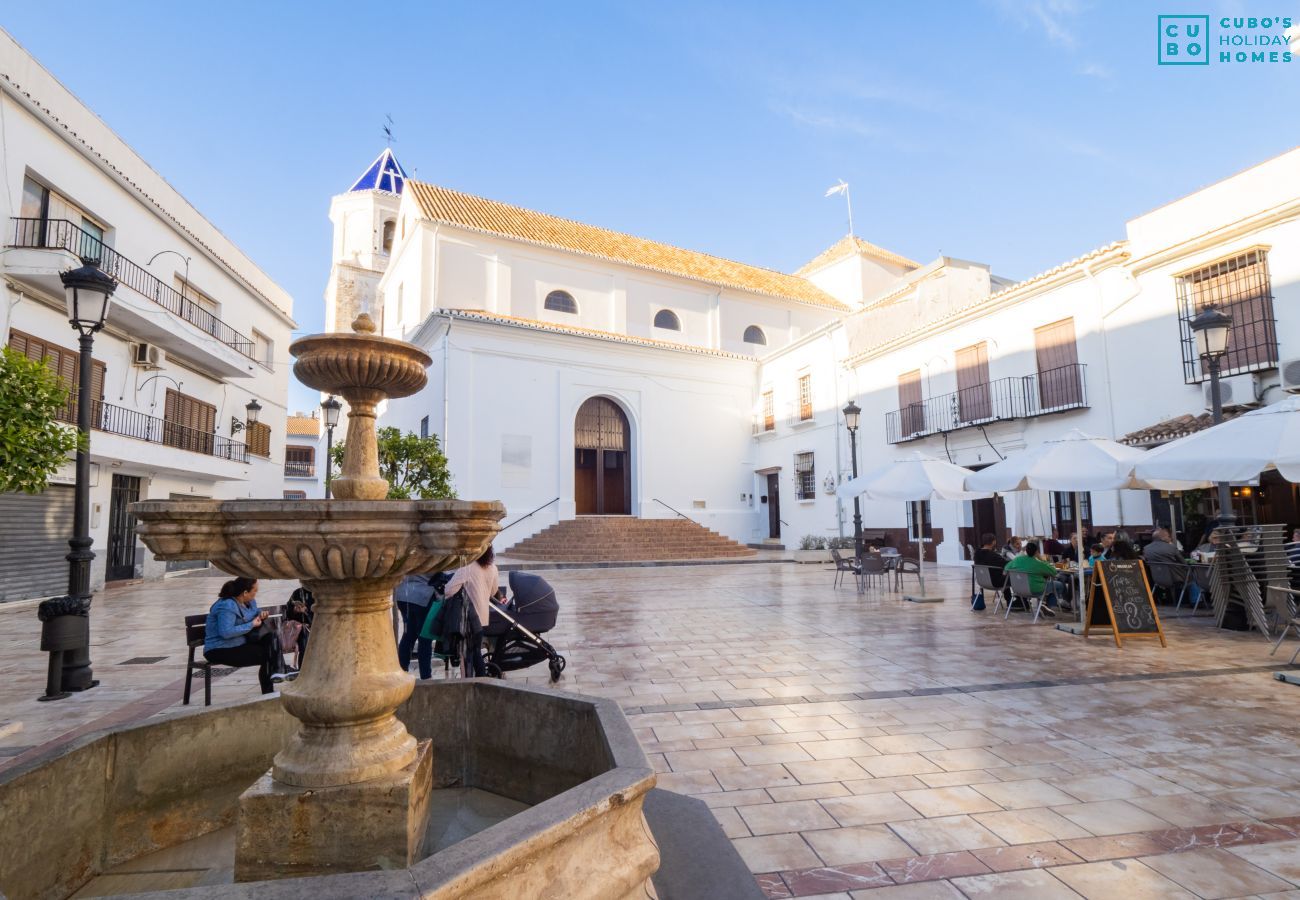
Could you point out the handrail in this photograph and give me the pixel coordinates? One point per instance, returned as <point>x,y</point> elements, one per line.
<point>60,234</point>
<point>144,427</point>
<point>533,513</point>
<point>1017,397</point>
<point>670,509</point>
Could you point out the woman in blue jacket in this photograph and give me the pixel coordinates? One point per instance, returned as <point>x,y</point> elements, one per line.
<point>231,637</point>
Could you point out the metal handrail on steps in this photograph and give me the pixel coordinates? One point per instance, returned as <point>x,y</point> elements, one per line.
<point>526,515</point>
<point>680,513</point>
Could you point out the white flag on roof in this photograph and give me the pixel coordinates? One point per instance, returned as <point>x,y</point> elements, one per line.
<point>837,189</point>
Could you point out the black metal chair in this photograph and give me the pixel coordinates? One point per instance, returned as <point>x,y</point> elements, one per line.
<point>843,565</point>
<point>873,567</point>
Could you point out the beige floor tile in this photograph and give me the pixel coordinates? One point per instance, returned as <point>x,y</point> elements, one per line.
<point>1119,879</point>
<point>1030,884</point>
<point>965,737</point>
<point>838,749</point>
<point>1215,874</point>
<point>688,782</point>
<point>1098,787</point>
<point>732,825</point>
<point>972,758</point>
<point>904,743</point>
<point>948,801</point>
<point>700,760</point>
<point>775,852</point>
<point>898,764</point>
<point>887,783</point>
<point>1187,810</point>
<point>1030,826</point>
<point>1282,858</point>
<point>753,726</point>
<point>825,770</point>
<point>861,843</point>
<point>945,835</point>
<point>689,732</point>
<point>817,791</point>
<point>771,753</point>
<point>1111,817</point>
<point>1026,794</point>
<point>921,890</point>
<point>869,809</point>
<point>1260,802</point>
<point>743,778</point>
<point>785,818</point>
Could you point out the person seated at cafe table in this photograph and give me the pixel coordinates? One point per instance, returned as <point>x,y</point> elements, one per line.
<point>1123,546</point>
<point>1096,554</point>
<point>1211,545</point>
<point>1042,575</point>
<point>1107,541</point>
<point>988,555</point>
<point>1012,548</point>
<point>1161,551</point>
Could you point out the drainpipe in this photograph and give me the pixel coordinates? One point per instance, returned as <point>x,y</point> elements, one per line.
<point>839,503</point>
<point>446,395</point>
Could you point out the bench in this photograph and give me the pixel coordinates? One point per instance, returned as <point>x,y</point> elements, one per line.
<point>196,629</point>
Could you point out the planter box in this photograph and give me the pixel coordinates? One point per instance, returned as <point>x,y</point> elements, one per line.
<point>811,556</point>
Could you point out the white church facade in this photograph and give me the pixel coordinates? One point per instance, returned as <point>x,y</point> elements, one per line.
<point>578,371</point>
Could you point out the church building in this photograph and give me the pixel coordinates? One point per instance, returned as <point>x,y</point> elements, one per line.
<point>580,372</point>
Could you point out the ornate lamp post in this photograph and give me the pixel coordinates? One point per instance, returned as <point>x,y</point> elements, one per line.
<point>1212,327</point>
<point>331,407</point>
<point>86,289</point>
<point>852,414</point>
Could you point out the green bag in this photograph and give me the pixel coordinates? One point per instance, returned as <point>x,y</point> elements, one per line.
<point>435,606</point>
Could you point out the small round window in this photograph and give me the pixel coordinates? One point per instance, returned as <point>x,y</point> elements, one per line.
<point>666,318</point>
<point>561,301</point>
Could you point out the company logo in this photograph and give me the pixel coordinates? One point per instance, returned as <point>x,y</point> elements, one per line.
<point>1183,40</point>
<point>1186,40</point>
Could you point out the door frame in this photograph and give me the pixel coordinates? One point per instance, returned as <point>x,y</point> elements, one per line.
<point>116,515</point>
<point>629,482</point>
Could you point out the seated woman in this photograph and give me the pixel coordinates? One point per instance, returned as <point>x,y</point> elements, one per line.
<point>232,637</point>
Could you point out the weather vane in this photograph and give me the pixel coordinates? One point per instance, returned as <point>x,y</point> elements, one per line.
<point>388,130</point>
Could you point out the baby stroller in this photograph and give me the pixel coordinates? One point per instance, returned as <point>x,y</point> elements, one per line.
<point>512,637</point>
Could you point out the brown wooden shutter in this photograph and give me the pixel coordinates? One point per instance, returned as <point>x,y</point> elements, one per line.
<point>259,439</point>
<point>909,402</point>
<point>66,362</point>
<point>973,400</point>
<point>1059,381</point>
<point>188,423</point>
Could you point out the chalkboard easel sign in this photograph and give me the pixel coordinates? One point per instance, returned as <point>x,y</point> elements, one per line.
<point>1127,609</point>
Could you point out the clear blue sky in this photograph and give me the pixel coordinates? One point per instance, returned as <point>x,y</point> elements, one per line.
<point>1014,133</point>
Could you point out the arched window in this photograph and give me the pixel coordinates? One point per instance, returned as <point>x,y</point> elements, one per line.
<point>666,318</point>
<point>754,335</point>
<point>389,228</point>
<point>562,301</point>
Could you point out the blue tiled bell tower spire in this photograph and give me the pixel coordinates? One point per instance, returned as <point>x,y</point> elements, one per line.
<point>384,174</point>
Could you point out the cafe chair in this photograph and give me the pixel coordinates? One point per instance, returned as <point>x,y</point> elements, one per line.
<point>1020,590</point>
<point>1288,596</point>
<point>987,583</point>
<point>1168,578</point>
<point>843,565</point>
<point>873,567</point>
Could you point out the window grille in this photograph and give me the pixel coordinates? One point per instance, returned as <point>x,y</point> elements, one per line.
<point>805,398</point>
<point>919,511</point>
<point>1241,288</point>
<point>561,301</point>
<point>805,476</point>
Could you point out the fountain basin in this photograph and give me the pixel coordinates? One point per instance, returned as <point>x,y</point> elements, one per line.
<point>119,794</point>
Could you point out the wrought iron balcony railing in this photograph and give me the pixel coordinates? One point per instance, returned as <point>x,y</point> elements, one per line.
<point>60,234</point>
<point>144,427</point>
<point>1040,394</point>
<point>299,470</point>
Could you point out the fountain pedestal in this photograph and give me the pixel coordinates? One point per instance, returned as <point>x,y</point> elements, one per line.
<point>287,832</point>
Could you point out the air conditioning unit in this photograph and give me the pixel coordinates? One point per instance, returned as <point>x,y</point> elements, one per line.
<point>1290,375</point>
<point>1235,392</point>
<point>148,356</point>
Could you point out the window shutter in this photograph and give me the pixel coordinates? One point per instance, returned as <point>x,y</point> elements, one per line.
<point>1058,365</point>
<point>909,402</point>
<point>973,399</point>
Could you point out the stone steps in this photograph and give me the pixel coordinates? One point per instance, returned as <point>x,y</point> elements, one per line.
<point>623,538</point>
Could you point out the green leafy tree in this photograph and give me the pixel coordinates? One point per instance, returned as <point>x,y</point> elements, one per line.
<point>32,442</point>
<point>414,466</point>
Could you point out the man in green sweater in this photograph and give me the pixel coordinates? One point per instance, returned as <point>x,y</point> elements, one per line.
<point>1041,573</point>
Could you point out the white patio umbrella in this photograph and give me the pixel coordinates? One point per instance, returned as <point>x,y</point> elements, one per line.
<point>1033,513</point>
<point>911,479</point>
<point>1236,450</point>
<point>1074,462</point>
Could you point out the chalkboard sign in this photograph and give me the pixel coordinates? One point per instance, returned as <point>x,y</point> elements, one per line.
<point>1125,605</point>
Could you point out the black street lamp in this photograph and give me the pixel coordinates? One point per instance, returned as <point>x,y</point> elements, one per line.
<point>852,414</point>
<point>331,408</point>
<point>86,289</point>
<point>1212,328</point>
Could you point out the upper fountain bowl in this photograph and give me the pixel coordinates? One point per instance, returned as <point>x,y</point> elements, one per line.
<point>363,361</point>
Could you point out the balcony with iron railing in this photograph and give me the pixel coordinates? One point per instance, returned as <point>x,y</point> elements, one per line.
<point>299,470</point>
<point>60,234</point>
<point>144,427</point>
<point>1043,393</point>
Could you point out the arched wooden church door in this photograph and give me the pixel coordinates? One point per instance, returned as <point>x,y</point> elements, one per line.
<point>602,451</point>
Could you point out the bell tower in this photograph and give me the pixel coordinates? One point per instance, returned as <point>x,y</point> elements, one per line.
<point>365,233</point>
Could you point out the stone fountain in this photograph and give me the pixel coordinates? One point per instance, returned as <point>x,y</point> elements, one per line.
<point>351,785</point>
<point>331,786</point>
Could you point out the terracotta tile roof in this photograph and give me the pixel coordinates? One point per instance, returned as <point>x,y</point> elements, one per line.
<point>479,315</point>
<point>303,425</point>
<point>847,246</point>
<point>492,217</point>
<point>1172,429</point>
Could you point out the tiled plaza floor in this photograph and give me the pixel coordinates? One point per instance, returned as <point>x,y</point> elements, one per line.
<point>862,746</point>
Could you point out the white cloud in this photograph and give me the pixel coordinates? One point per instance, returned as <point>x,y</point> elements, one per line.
<point>1096,70</point>
<point>1055,17</point>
